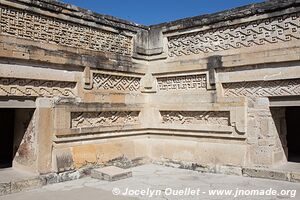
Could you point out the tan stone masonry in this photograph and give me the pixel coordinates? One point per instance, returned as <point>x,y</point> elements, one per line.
<point>105,88</point>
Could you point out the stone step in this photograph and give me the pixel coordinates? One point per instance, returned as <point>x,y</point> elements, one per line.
<point>111,173</point>
<point>14,180</point>
<point>276,174</point>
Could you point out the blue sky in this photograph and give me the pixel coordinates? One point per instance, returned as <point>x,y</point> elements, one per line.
<point>149,12</point>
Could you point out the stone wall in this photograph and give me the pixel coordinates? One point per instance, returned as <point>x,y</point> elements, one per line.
<point>194,90</point>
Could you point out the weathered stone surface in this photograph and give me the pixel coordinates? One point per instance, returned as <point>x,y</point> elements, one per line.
<point>5,188</point>
<point>63,176</point>
<point>194,93</point>
<point>14,186</point>
<point>161,177</point>
<point>51,178</point>
<point>17,186</point>
<point>64,160</point>
<point>230,170</point>
<point>68,176</point>
<point>232,14</point>
<point>266,173</point>
<point>111,173</point>
<point>295,176</point>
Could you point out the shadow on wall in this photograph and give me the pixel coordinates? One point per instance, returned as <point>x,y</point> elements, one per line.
<point>293,133</point>
<point>7,117</point>
<point>287,120</point>
<point>17,136</point>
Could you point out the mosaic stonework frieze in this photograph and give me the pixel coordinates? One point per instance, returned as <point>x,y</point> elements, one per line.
<point>105,118</point>
<point>265,31</point>
<point>23,24</point>
<point>182,83</point>
<point>195,117</point>
<point>35,88</point>
<point>116,83</point>
<point>263,88</point>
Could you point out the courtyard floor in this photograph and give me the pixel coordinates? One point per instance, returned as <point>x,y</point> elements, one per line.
<point>159,182</point>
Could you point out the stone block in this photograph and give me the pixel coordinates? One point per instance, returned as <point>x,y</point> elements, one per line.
<point>111,173</point>
<point>82,155</point>
<point>68,176</point>
<point>261,155</point>
<point>295,177</point>
<point>264,126</point>
<point>265,173</point>
<point>262,103</point>
<point>51,178</point>
<point>230,170</point>
<point>5,188</point>
<point>64,160</point>
<point>17,186</point>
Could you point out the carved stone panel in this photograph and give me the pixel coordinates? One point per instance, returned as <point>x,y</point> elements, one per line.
<point>196,117</point>
<point>105,118</point>
<point>263,88</point>
<point>23,24</point>
<point>116,83</point>
<point>265,31</point>
<point>35,88</point>
<point>182,83</point>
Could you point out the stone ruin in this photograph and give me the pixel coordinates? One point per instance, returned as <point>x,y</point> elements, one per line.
<point>218,92</point>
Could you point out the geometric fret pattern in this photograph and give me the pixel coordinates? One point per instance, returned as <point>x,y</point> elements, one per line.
<point>263,88</point>
<point>182,83</point>
<point>116,83</point>
<point>23,24</point>
<point>255,33</point>
<point>196,117</point>
<point>105,118</point>
<point>30,87</point>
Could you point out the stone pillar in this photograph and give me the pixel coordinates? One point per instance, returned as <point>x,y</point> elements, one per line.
<point>45,134</point>
<point>265,128</point>
<point>281,149</point>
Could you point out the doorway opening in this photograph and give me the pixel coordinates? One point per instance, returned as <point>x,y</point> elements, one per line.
<point>16,136</point>
<point>7,119</point>
<point>292,115</point>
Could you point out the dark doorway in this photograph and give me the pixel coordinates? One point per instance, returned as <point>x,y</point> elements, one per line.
<point>7,118</point>
<point>293,133</point>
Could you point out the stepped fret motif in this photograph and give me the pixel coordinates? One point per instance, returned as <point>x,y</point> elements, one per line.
<point>23,24</point>
<point>182,83</point>
<point>28,87</point>
<point>267,31</point>
<point>116,83</point>
<point>263,88</point>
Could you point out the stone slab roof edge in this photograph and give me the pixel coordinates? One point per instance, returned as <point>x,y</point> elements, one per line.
<point>201,20</point>
<point>81,13</point>
<point>230,14</point>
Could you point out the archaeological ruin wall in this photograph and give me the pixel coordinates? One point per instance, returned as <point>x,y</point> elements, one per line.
<point>209,90</point>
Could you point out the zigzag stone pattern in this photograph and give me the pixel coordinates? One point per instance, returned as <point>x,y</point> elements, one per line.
<point>116,83</point>
<point>105,118</point>
<point>196,117</point>
<point>266,31</point>
<point>182,83</point>
<point>29,87</point>
<point>263,88</point>
<point>23,24</point>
